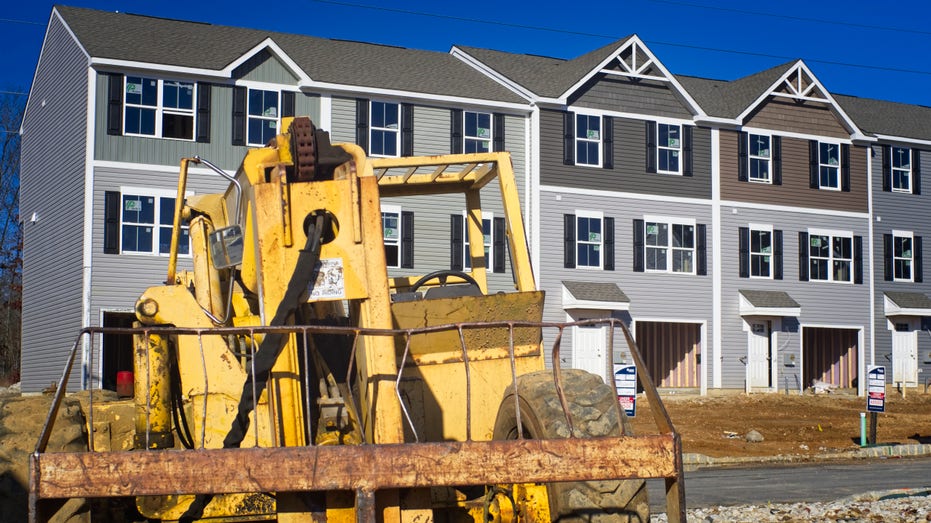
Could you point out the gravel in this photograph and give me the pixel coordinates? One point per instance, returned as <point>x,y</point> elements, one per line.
<point>902,506</point>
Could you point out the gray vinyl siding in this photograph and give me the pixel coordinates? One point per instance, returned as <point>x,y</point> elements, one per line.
<point>629,172</point>
<point>264,67</point>
<point>343,120</point>
<point>646,97</point>
<point>822,303</point>
<point>653,296</point>
<point>52,187</point>
<point>902,212</point>
<point>162,151</point>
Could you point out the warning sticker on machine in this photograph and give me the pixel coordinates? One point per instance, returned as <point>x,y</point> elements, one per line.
<point>329,282</point>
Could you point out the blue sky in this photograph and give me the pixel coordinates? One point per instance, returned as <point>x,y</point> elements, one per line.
<point>854,47</point>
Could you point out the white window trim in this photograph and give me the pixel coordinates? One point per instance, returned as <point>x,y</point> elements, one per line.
<point>394,209</point>
<point>599,141</point>
<point>601,242</point>
<point>669,220</point>
<point>466,255</point>
<point>768,159</point>
<point>831,234</point>
<point>911,236</point>
<point>397,132</point>
<point>491,130</point>
<point>155,193</point>
<point>250,116</point>
<point>660,148</point>
<point>893,169</point>
<point>160,108</point>
<point>762,228</point>
<point>839,166</point>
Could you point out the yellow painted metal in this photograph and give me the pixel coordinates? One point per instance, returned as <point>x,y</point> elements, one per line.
<point>476,238</point>
<point>176,221</point>
<point>152,392</point>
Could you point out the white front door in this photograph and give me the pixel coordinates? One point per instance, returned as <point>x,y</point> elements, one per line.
<point>905,354</point>
<point>758,355</point>
<point>589,348</point>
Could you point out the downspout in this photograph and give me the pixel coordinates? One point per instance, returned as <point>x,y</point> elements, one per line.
<point>861,386</point>
<point>86,363</point>
<point>716,262</point>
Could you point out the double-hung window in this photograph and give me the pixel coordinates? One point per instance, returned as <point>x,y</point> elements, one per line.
<point>159,108</point>
<point>902,256</point>
<point>761,252</point>
<point>588,140</point>
<point>477,132</point>
<point>830,256</point>
<point>669,148</point>
<point>487,239</point>
<point>589,239</point>
<point>391,232</point>
<point>901,164</point>
<point>263,113</point>
<point>760,158</point>
<point>829,175</point>
<point>384,129</point>
<point>146,219</point>
<point>669,245</point>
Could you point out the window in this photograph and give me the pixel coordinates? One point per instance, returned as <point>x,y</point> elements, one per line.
<point>829,166</point>
<point>494,239</point>
<point>902,256</point>
<point>588,140</point>
<point>159,108</point>
<point>384,129</point>
<point>262,124</point>
<point>487,239</point>
<point>761,253</point>
<point>477,132</point>
<point>669,246</point>
<point>830,257</point>
<point>669,147</point>
<point>589,240</point>
<point>760,156</point>
<point>901,169</point>
<point>146,223</point>
<point>398,236</point>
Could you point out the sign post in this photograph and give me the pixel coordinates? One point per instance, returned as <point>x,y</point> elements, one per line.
<point>875,396</point>
<point>625,380</point>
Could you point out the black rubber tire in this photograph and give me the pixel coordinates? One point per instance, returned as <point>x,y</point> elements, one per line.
<point>595,412</point>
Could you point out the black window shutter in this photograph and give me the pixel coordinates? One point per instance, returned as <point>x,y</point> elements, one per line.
<point>887,168</point>
<point>498,143</point>
<point>455,242</point>
<point>687,150</point>
<point>568,138</point>
<point>813,180</point>
<point>455,131</point>
<point>568,234</point>
<point>115,104</point>
<point>845,167</point>
<point>916,171</point>
<point>287,103</point>
<point>407,240</point>
<point>777,160</point>
<point>362,124</point>
<point>607,142</point>
<point>239,116</point>
<point>203,112</point>
<point>916,259</point>
<point>609,244</point>
<point>499,241</point>
<point>638,246</point>
<point>111,226</point>
<point>858,259</point>
<point>803,256</point>
<point>701,250</point>
<point>651,146</point>
<point>777,254</point>
<point>743,156</point>
<point>407,130</point>
<point>887,257</point>
<point>743,247</point>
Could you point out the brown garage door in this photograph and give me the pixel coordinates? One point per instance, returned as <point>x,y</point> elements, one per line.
<point>671,352</point>
<point>830,355</point>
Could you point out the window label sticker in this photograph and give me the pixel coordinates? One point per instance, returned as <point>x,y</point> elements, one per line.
<point>133,87</point>
<point>132,206</point>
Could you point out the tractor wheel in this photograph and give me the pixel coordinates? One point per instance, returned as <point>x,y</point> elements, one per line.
<point>595,412</point>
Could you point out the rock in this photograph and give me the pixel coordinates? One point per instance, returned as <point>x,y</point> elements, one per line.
<point>753,437</point>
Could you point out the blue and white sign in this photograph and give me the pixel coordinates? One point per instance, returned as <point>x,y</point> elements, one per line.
<point>876,389</point>
<point>625,380</point>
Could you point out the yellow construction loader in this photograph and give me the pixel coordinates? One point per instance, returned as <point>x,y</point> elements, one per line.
<point>289,377</point>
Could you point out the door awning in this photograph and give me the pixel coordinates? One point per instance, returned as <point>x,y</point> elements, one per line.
<point>906,304</point>
<point>768,303</point>
<point>593,295</point>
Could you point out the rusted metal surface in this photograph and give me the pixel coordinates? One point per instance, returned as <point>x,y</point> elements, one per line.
<point>365,467</point>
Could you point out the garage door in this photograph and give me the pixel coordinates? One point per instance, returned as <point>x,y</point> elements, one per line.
<point>671,352</point>
<point>830,355</point>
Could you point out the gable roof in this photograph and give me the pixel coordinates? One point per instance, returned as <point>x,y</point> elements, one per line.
<point>728,99</point>
<point>213,49</point>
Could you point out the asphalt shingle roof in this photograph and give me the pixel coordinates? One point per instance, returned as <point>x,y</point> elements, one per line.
<point>909,300</point>
<point>728,99</point>
<point>889,118</point>
<point>596,291</point>
<point>770,299</point>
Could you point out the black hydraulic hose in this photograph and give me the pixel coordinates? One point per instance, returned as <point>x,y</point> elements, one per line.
<point>301,281</point>
<point>182,428</point>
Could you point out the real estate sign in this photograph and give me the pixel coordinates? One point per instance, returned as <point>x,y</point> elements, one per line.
<point>876,389</point>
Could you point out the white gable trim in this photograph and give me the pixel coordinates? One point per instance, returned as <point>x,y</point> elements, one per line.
<point>475,63</point>
<point>269,44</point>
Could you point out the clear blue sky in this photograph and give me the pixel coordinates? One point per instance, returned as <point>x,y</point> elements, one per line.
<point>869,49</point>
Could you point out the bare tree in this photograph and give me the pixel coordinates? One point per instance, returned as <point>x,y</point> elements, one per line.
<point>12,105</point>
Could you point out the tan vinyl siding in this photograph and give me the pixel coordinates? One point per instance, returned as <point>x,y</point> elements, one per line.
<point>780,114</point>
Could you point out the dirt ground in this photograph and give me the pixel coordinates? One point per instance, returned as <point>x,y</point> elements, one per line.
<point>801,425</point>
